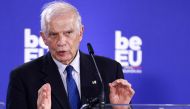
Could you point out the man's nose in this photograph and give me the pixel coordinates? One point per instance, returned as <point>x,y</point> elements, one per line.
<point>61,40</point>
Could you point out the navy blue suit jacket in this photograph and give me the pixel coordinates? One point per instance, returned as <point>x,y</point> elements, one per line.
<point>26,80</point>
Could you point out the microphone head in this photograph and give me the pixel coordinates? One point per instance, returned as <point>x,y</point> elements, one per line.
<point>90,49</point>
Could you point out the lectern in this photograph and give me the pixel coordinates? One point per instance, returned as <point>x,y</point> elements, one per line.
<point>141,106</point>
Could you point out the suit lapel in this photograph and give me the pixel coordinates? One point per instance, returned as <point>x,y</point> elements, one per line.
<point>90,84</point>
<point>53,77</point>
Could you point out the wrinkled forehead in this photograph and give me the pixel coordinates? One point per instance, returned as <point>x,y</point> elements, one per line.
<point>68,18</point>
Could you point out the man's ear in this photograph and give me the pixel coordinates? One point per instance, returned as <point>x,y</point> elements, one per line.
<point>81,32</point>
<point>44,37</point>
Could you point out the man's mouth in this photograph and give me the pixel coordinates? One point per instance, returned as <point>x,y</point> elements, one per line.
<point>61,53</point>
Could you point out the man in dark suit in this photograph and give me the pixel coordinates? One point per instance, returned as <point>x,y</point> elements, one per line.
<point>43,83</point>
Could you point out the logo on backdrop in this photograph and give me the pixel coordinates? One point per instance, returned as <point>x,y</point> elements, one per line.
<point>34,46</point>
<point>128,52</point>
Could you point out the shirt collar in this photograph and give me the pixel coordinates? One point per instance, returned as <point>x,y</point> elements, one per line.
<point>75,63</point>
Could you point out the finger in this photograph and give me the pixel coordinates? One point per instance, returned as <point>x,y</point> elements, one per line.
<point>39,101</point>
<point>41,98</point>
<point>44,96</point>
<point>48,89</point>
<point>131,92</point>
<point>125,82</point>
<point>41,93</point>
<point>112,89</point>
<point>48,93</point>
<point>43,88</point>
<point>118,81</point>
<point>123,86</point>
<point>121,82</point>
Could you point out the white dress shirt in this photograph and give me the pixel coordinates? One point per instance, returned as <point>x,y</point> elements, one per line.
<point>75,72</point>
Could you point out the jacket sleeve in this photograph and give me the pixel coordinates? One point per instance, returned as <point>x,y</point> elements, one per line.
<point>16,95</point>
<point>119,71</point>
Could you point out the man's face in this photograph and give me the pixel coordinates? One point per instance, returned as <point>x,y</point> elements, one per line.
<point>63,37</point>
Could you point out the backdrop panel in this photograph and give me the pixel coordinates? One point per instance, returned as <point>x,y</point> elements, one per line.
<point>150,38</point>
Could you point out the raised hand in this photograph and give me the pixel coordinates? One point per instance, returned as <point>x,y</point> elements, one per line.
<point>44,97</point>
<point>120,92</point>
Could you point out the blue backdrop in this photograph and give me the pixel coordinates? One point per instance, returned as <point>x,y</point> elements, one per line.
<point>162,28</point>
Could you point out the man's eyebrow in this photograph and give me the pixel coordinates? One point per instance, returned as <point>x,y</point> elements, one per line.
<point>52,33</point>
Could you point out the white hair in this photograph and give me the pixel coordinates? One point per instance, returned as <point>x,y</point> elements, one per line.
<point>54,8</point>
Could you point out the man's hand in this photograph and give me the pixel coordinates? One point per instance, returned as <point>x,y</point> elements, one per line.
<point>44,97</point>
<point>120,92</point>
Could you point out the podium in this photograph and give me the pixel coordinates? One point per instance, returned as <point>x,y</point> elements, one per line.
<point>2,105</point>
<point>131,106</point>
<point>141,106</point>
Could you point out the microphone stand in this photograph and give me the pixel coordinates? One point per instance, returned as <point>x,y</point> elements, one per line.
<point>90,103</point>
<point>102,95</point>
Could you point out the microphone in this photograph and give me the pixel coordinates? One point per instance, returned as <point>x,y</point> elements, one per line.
<point>102,96</point>
<point>90,49</point>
